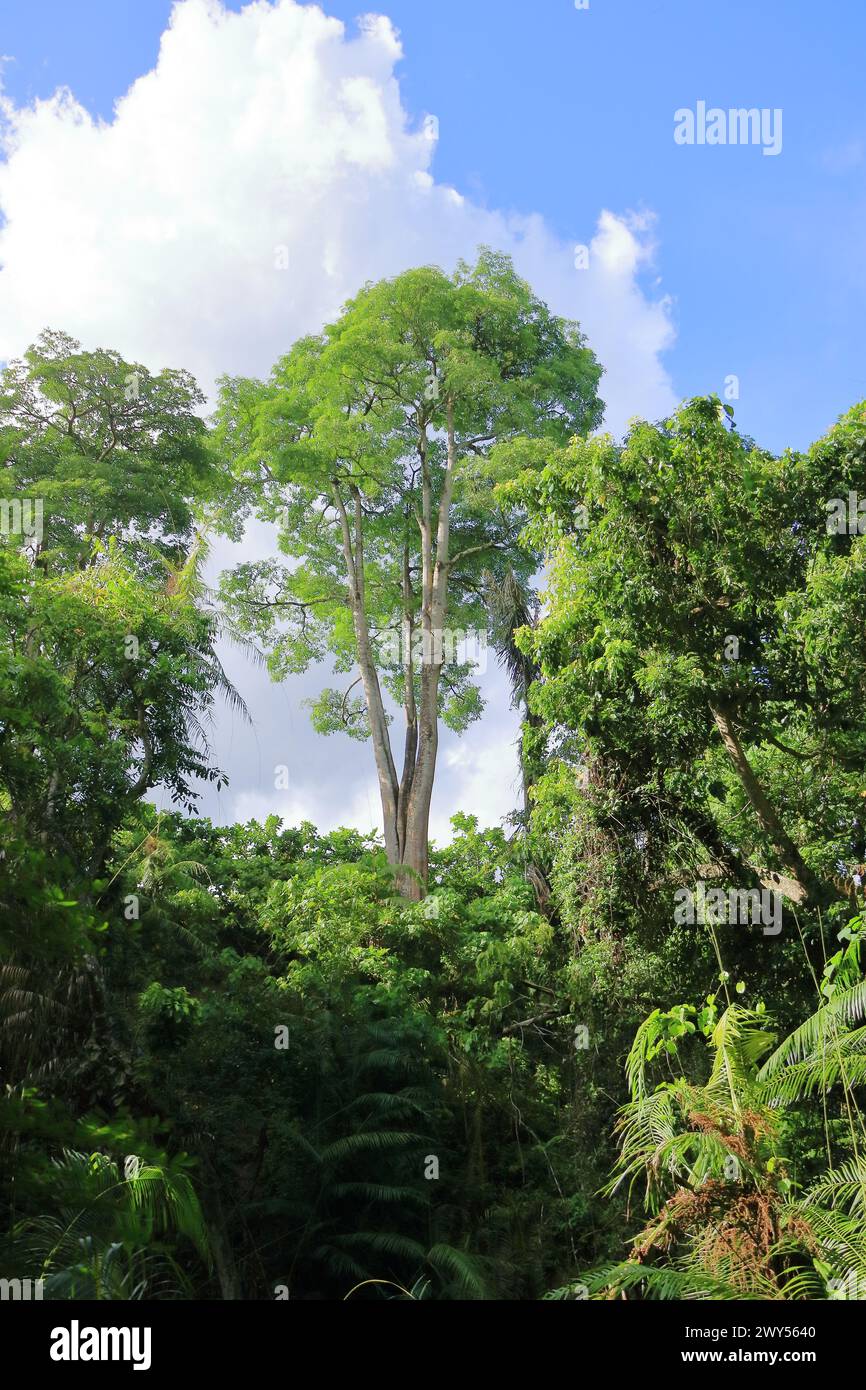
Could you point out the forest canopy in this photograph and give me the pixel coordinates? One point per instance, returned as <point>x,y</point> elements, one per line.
<point>612,1048</point>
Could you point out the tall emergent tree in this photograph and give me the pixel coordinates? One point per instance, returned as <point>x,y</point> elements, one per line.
<point>377,445</point>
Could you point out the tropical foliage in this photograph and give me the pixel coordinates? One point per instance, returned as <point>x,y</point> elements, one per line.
<point>615,1048</point>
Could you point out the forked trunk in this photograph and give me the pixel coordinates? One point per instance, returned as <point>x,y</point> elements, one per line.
<point>406,803</point>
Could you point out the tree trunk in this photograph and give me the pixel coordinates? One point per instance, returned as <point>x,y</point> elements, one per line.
<point>415,848</point>
<point>227,1272</point>
<point>353,552</point>
<point>434,610</point>
<point>788,853</point>
<point>406,804</point>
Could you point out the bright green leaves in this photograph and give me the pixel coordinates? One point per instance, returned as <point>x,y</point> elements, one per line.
<point>332,712</point>
<point>690,571</point>
<point>168,1009</point>
<point>358,416</point>
<point>105,642</point>
<point>110,450</point>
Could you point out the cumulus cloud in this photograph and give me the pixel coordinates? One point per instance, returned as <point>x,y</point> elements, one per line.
<point>245,187</point>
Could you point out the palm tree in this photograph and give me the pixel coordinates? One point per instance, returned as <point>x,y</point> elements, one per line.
<point>103,1239</point>
<point>726,1219</point>
<point>185,584</point>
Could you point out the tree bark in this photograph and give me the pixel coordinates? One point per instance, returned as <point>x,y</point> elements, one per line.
<point>410,749</point>
<point>789,855</point>
<point>353,552</point>
<point>434,611</point>
<point>406,803</point>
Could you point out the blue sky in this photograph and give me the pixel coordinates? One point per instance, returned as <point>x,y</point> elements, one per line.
<point>546,108</point>
<point>153,227</point>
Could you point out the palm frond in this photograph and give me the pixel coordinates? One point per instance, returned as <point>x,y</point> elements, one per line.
<point>462,1271</point>
<point>831,1020</point>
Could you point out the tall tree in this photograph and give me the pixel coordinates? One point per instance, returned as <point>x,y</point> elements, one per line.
<point>699,600</point>
<point>373,444</point>
<point>108,667</point>
<point>106,644</point>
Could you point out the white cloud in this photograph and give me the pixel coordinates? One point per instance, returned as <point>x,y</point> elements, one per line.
<point>362,813</point>
<point>483,765</point>
<point>272,136</point>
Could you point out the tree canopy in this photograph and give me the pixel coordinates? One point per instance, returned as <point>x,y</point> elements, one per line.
<point>374,446</point>
<point>612,1049</point>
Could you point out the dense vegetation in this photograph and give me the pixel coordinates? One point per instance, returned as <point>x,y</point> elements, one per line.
<point>614,1049</point>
